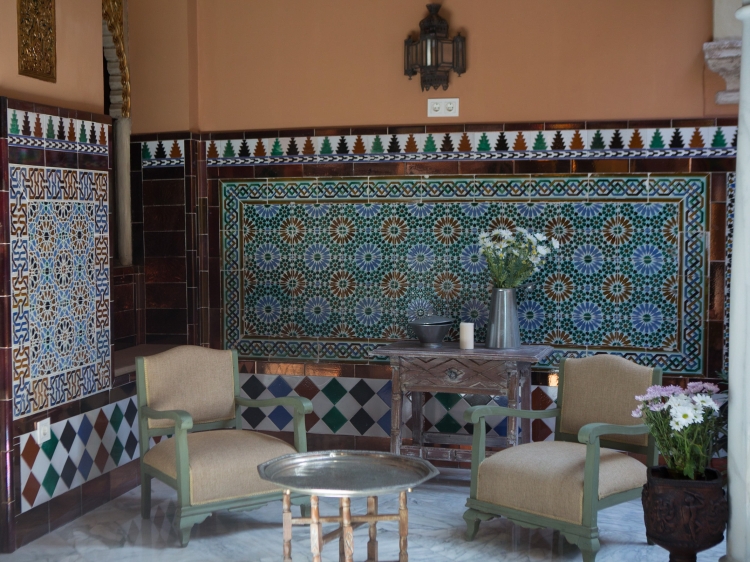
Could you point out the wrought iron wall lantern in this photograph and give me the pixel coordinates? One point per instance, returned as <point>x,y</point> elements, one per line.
<point>433,56</point>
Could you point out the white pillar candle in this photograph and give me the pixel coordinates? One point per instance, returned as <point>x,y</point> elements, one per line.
<point>466,335</point>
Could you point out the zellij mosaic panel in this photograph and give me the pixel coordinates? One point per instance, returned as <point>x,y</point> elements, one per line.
<point>60,285</point>
<point>332,269</point>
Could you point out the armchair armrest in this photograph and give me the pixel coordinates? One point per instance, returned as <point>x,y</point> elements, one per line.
<point>182,420</point>
<point>590,433</point>
<point>300,404</point>
<point>475,413</point>
<point>301,407</point>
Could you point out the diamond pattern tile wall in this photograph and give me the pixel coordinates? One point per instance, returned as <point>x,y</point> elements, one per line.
<point>79,449</point>
<point>341,406</point>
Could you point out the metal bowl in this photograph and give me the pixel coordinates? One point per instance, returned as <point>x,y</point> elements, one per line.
<point>431,330</point>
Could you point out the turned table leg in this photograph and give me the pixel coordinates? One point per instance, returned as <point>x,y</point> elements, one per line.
<point>396,397</point>
<point>372,544</point>
<point>286,509</point>
<point>316,529</point>
<point>346,542</point>
<point>403,528</point>
<point>513,390</point>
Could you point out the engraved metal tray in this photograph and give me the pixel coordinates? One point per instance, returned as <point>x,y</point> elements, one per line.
<point>346,473</point>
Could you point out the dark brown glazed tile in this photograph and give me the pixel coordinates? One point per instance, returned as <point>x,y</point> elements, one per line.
<point>64,508</point>
<point>541,166</point>
<point>273,368</point>
<point>380,169</point>
<point>124,343</point>
<point>718,187</point>
<point>214,320</point>
<point>329,370</point>
<point>612,166</point>
<point>594,125</point>
<point>163,192</point>
<point>124,478</point>
<point>95,493</point>
<point>165,270</point>
<point>501,167</point>
<point>713,164</point>
<point>327,170</point>
<point>166,295</point>
<point>164,218</point>
<point>524,127</point>
<point>715,347</point>
<point>174,135</point>
<point>32,524</point>
<point>365,131</point>
<point>367,443</point>
<point>333,132</point>
<point>167,339</point>
<point>123,324</point>
<point>163,173</point>
<point>92,162</point>
<point>444,128</point>
<point>643,124</point>
<point>123,297</point>
<point>135,157</point>
<point>120,392</point>
<point>718,228</point>
<point>279,171</point>
<point>7,525</point>
<point>431,168</point>
<point>61,159</point>
<point>483,127</point>
<point>6,376</point>
<point>565,126</point>
<point>94,402</point>
<point>166,321</point>
<point>29,156</point>
<point>164,244</point>
<point>406,130</point>
<point>318,442</point>
<point>660,165</point>
<point>286,133</point>
<point>214,282</point>
<point>726,121</point>
<point>236,172</point>
<point>716,283</point>
<point>20,105</point>
<point>373,371</point>
<point>710,122</point>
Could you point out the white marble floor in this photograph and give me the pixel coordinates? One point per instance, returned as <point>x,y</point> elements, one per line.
<point>116,532</point>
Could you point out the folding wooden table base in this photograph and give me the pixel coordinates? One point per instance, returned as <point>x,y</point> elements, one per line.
<point>347,523</point>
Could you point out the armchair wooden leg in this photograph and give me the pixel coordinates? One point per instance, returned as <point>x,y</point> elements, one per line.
<point>184,526</point>
<point>472,519</point>
<point>145,495</point>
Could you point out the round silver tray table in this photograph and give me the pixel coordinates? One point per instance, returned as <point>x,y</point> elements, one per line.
<point>344,475</point>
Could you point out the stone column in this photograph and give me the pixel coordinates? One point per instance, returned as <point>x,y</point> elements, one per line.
<point>738,537</point>
<point>122,173</point>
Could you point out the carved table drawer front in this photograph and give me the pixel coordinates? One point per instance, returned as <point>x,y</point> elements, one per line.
<point>449,372</point>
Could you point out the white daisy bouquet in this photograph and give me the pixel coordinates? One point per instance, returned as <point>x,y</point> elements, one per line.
<point>683,423</point>
<point>513,257</point>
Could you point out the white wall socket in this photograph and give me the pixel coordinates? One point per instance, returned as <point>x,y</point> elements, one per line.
<point>442,107</point>
<point>42,431</point>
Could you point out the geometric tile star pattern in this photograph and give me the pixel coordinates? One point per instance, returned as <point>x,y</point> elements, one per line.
<point>331,268</point>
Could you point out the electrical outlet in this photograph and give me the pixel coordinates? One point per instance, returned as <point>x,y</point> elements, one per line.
<point>42,431</point>
<point>442,107</point>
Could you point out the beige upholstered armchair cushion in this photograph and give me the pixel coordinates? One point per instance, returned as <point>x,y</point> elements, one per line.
<point>547,478</point>
<point>602,389</point>
<point>191,378</point>
<point>222,463</point>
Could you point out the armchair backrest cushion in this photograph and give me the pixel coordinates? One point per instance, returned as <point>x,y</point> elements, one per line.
<point>191,378</point>
<point>602,389</point>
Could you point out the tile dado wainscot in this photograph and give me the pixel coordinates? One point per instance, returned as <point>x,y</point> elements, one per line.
<point>328,269</point>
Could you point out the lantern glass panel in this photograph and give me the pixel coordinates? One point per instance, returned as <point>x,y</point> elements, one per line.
<point>445,60</point>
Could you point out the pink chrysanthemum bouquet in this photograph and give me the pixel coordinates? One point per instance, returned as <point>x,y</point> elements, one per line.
<point>683,423</point>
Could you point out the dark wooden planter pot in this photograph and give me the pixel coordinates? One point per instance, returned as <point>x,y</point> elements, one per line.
<point>684,516</point>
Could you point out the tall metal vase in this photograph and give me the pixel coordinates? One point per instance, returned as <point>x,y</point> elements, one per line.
<point>502,326</point>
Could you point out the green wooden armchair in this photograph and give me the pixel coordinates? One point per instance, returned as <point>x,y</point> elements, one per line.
<point>563,483</point>
<point>193,394</point>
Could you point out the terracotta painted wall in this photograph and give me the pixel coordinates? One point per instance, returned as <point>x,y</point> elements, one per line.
<point>80,82</point>
<point>335,62</point>
<point>159,69</point>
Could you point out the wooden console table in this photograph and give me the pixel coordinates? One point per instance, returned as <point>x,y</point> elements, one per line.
<point>495,372</point>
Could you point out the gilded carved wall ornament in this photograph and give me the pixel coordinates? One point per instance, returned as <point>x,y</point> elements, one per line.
<point>37,55</point>
<point>112,14</point>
